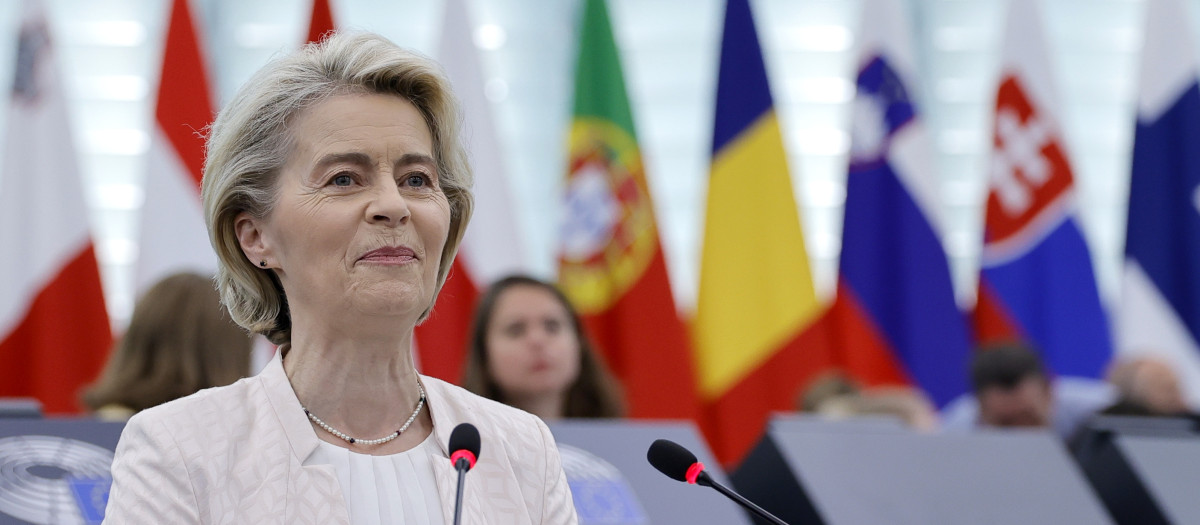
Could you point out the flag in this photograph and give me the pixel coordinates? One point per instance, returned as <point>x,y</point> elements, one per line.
<point>756,338</point>
<point>173,236</point>
<point>611,262</point>
<point>492,246</point>
<point>1159,311</point>
<point>895,317</point>
<point>54,329</point>
<point>1036,282</point>
<point>321,21</point>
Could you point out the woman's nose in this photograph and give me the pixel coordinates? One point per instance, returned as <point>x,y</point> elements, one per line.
<point>536,338</point>
<point>388,207</point>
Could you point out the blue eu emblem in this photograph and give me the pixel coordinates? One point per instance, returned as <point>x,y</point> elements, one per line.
<point>601,494</point>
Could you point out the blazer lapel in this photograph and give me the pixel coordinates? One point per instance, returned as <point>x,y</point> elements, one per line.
<point>314,492</point>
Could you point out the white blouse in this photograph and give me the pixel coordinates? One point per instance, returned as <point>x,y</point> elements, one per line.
<point>399,488</point>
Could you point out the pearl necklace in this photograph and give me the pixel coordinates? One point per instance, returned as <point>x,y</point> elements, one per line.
<point>380,441</point>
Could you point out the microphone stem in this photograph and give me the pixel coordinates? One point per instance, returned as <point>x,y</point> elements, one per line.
<point>705,479</point>
<point>461,467</point>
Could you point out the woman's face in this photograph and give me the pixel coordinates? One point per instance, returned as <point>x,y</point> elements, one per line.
<point>531,345</point>
<point>360,218</point>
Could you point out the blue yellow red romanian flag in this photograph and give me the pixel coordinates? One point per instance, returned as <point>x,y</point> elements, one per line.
<point>611,262</point>
<point>756,338</point>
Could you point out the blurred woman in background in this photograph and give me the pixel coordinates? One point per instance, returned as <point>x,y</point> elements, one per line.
<point>528,349</point>
<point>180,340</point>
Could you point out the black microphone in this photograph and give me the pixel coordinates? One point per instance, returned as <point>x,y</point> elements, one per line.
<point>464,451</point>
<point>679,463</point>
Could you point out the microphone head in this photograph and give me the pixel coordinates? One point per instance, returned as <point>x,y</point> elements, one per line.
<point>672,459</point>
<point>464,439</point>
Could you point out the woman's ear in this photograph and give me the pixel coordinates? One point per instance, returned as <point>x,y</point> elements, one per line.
<point>250,237</point>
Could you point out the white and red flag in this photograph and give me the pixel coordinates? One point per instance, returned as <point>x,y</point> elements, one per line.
<point>492,247</point>
<point>54,328</point>
<point>321,21</point>
<point>173,236</point>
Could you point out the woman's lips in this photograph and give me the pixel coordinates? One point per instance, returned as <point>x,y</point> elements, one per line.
<point>389,254</point>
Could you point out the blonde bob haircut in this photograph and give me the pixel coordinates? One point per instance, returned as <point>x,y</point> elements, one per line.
<point>251,139</point>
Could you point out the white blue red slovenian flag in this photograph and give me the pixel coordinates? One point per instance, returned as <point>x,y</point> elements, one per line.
<point>1036,282</point>
<point>895,317</point>
<point>1159,311</point>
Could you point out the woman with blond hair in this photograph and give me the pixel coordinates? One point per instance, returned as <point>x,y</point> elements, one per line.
<point>336,191</point>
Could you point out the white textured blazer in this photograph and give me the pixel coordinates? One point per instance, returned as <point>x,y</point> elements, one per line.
<point>235,454</point>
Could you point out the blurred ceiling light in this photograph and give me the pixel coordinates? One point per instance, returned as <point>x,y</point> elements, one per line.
<point>490,37</point>
<point>821,141</point>
<point>256,35</point>
<point>962,38</point>
<point>962,141</point>
<point>119,196</point>
<point>825,90</point>
<point>117,251</point>
<point>960,90</point>
<point>115,33</point>
<point>828,38</point>
<point>116,141</point>
<point>1127,39</point>
<point>111,87</point>
<point>824,193</point>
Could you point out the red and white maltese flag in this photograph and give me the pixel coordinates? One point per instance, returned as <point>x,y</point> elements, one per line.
<point>173,236</point>
<point>54,328</point>
<point>492,247</point>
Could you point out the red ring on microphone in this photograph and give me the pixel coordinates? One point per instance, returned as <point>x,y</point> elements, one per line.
<point>693,472</point>
<point>463,454</point>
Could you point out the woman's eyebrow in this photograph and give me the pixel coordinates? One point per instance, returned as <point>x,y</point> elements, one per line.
<point>415,158</point>
<point>354,157</point>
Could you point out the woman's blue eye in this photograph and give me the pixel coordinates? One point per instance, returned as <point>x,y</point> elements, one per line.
<point>416,180</point>
<point>343,180</point>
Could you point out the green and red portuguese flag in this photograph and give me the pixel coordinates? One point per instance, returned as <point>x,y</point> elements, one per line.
<point>610,260</point>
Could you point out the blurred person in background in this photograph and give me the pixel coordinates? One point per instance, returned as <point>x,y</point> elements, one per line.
<point>180,340</point>
<point>1145,386</point>
<point>835,396</point>
<point>528,349</point>
<point>1012,389</point>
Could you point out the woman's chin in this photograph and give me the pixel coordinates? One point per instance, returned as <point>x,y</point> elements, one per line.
<point>390,301</point>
